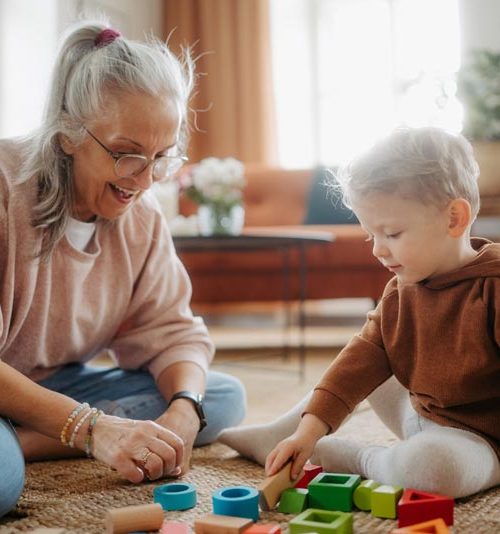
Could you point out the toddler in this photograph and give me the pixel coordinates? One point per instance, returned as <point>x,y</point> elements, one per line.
<point>428,356</point>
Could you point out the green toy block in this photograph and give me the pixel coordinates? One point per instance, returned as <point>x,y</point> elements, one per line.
<point>321,522</point>
<point>332,491</point>
<point>362,496</point>
<point>293,501</point>
<point>385,500</point>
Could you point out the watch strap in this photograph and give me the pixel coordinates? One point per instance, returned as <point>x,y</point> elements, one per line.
<point>197,400</point>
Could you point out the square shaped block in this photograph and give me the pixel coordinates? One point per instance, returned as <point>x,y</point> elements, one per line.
<point>321,522</point>
<point>221,524</point>
<point>332,491</point>
<point>174,527</point>
<point>416,506</point>
<point>264,528</point>
<point>385,500</point>
<point>362,495</point>
<point>293,501</point>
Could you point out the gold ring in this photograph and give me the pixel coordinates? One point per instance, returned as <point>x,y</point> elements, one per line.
<point>145,455</point>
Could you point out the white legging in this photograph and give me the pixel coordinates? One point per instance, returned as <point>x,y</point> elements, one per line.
<point>429,456</point>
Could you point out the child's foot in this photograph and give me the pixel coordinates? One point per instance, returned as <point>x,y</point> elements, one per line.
<point>337,455</point>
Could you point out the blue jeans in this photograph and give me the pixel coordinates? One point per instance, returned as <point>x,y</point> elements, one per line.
<point>134,394</point>
<point>11,467</point>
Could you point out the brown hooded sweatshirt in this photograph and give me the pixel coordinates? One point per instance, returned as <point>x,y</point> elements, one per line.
<point>440,338</point>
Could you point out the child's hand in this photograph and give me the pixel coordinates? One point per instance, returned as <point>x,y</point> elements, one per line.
<point>297,447</point>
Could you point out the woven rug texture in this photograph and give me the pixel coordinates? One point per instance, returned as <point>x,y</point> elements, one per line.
<point>75,495</point>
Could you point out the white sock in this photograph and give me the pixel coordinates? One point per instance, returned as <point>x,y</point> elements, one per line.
<point>443,460</point>
<point>257,441</point>
<point>337,455</point>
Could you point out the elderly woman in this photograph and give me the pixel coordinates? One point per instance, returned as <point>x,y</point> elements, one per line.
<point>88,266</point>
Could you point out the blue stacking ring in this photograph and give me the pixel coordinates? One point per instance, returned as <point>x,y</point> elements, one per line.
<point>175,496</point>
<point>238,501</point>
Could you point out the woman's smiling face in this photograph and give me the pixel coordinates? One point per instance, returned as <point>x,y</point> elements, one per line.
<point>132,123</point>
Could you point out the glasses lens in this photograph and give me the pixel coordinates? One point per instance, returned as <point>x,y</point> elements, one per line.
<point>130,165</point>
<point>166,166</point>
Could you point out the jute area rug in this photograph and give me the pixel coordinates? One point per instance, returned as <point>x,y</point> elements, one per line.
<point>75,494</point>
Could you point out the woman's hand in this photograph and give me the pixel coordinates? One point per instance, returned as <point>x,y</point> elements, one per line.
<point>298,447</point>
<point>136,448</point>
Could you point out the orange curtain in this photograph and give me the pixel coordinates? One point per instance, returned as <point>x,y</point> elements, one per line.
<point>233,98</point>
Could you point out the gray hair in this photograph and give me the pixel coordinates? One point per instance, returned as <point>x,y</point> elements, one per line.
<point>427,164</point>
<point>83,75</point>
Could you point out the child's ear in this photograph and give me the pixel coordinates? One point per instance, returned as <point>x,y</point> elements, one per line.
<point>459,212</point>
<point>67,146</point>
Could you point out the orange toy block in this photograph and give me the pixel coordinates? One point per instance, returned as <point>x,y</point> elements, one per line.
<point>310,471</point>
<point>174,527</point>
<point>435,526</point>
<point>263,528</point>
<point>221,524</point>
<point>272,487</point>
<point>416,506</point>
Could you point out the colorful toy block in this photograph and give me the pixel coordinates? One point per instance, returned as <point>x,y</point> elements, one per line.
<point>435,526</point>
<point>272,487</point>
<point>264,528</point>
<point>332,491</point>
<point>293,501</point>
<point>362,496</point>
<point>221,524</point>
<point>310,472</point>
<point>416,506</point>
<point>321,522</point>
<point>174,527</point>
<point>175,496</point>
<point>385,500</point>
<point>134,518</point>
<point>238,501</point>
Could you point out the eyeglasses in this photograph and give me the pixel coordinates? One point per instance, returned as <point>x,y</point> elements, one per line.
<point>130,165</point>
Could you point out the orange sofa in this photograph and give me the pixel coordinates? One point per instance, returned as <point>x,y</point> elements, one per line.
<point>279,198</point>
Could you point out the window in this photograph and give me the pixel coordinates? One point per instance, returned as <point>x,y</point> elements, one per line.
<point>348,71</point>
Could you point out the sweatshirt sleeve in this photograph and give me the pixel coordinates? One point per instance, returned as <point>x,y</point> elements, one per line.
<point>358,369</point>
<point>159,328</point>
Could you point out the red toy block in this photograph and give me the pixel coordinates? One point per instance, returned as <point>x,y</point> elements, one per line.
<point>435,526</point>
<point>310,471</point>
<point>417,506</point>
<point>263,528</point>
<point>174,527</point>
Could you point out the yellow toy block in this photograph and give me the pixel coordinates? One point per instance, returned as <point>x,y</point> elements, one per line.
<point>221,524</point>
<point>362,495</point>
<point>385,500</point>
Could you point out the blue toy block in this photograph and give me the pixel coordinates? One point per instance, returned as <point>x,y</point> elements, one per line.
<point>175,496</point>
<point>332,491</point>
<point>321,522</point>
<point>236,501</point>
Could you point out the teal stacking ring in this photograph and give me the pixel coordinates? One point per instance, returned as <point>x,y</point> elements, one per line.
<point>175,496</point>
<point>238,501</point>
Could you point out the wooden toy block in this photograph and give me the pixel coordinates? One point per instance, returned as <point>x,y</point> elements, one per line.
<point>310,472</point>
<point>362,495</point>
<point>435,526</point>
<point>416,506</point>
<point>263,528</point>
<point>221,524</point>
<point>293,501</point>
<point>238,501</point>
<point>321,522</point>
<point>332,491</point>
<point>174,527</point>
<point>385,500</point>
<point>272,487</point>
<point>134,518</point>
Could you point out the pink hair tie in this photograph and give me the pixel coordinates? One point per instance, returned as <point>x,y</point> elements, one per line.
<point>107,36</point>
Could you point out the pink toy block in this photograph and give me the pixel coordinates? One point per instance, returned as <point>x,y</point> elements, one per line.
<point>310,471</point>
<point>174,527</point>
<point>263,528</point>
<point>417,506</point>
<point>435,526</point>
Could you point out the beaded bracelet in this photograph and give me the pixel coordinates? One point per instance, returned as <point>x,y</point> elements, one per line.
<point>71,418</point>
<point>79,425</point>
<point>90,429</point>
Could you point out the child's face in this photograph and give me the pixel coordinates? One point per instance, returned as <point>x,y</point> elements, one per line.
<point>409,238</point>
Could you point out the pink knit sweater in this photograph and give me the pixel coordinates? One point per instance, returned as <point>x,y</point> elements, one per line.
<point>127,292</point>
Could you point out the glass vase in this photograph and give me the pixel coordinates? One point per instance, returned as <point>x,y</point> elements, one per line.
<point>220,219</point>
